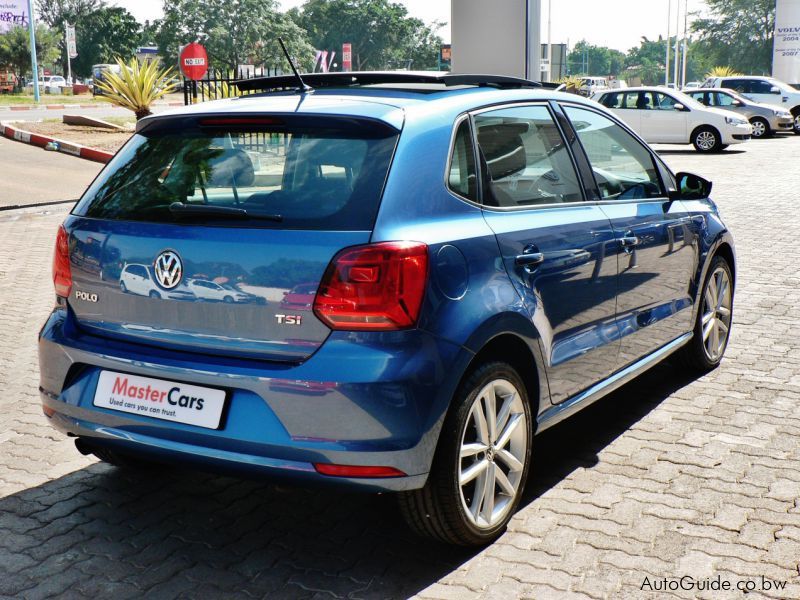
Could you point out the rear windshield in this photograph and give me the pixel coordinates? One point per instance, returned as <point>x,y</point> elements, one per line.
<point>283,177</point>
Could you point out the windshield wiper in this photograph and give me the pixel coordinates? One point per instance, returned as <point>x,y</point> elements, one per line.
<point>179,209</point>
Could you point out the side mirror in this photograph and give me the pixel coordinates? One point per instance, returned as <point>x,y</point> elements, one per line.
<point>691,187</point>
<point>737,103</point>
<point>775,90</point>
<point>679,106</point>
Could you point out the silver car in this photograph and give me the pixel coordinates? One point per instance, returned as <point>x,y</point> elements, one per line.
<point>765,118</point>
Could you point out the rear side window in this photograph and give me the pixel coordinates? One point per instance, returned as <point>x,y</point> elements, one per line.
<point>738,85</point>
<point>524,158</point>
<point>283,177</point>
<point>623,168</point>
<point>463,176</point>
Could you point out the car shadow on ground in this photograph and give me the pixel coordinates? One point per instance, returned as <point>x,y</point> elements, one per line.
<point>699,154</point>
<point>108,532</point>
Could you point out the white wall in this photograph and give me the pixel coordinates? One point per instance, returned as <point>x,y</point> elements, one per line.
<point>499,37</point>
<point>786,59</point>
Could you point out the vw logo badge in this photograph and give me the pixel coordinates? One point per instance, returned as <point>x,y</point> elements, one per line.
<point>169,269</point>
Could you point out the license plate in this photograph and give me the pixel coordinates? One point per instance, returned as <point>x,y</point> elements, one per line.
<point>160,399</point>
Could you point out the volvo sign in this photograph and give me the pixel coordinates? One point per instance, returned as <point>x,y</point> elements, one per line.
<point>786,58</point>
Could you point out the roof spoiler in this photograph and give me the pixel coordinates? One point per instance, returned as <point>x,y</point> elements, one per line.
<point>359,78</point>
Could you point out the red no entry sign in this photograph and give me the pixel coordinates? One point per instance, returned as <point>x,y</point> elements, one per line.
<point>193,61</point>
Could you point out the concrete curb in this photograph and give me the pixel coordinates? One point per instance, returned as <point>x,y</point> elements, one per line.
<point>23,107</point>
<point>26,137</point>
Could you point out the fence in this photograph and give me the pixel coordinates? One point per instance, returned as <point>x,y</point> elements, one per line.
<point>220,84</point>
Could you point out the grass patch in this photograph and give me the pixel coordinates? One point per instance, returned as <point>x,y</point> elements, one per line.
<point>21,99</point>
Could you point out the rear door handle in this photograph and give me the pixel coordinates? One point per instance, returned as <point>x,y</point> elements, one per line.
<point>629,241</point>
<point>527,260</point>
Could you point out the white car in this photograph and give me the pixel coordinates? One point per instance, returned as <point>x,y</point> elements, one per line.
<point>592,85</point>
<point>139,280</point>
<point>766,90</point>
<point>663,116</point>
<point>214,292</point>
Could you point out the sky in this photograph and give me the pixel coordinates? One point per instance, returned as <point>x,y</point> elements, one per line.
<point>614,23</point>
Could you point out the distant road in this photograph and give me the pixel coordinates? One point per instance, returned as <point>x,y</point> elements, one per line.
<point>42,113</point>
<point>31,175</point>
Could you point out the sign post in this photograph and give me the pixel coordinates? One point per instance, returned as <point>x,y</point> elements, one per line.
<point>72,50</point>
<point>34,63</point>
<point>347,57</point>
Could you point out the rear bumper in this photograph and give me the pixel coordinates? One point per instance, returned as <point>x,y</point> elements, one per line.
<point>362,399</point>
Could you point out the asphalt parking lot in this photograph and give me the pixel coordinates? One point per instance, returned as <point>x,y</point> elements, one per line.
<point>669,477</point>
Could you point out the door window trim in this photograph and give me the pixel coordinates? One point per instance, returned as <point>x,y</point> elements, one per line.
<point>653,156</point>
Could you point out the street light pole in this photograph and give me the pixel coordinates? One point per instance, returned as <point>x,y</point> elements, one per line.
<point>34,64</point>
<point>677,43</point>
<point>669,50</point>
<point>549,40</point>
<point>685,41</point>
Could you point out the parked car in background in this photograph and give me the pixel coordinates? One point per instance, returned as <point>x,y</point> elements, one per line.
<point>692,85</point>
<point>98,76</point>
<point>139,280</point>
<point>766,119</point>
<point>591,85</point>
<point>211,291</point>
<point>663,116</point>
<point>473,241</point>
<point>766,90</point>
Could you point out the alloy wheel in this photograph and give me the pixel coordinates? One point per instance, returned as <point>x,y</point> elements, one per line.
<point>494,446</point>
<point>716,323</point>
<point>706,140</point>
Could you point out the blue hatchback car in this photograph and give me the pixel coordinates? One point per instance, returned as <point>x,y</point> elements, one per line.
<point>390,281</point>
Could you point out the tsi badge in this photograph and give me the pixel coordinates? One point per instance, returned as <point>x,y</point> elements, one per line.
<point>85,296</point>
<point>289,319</point>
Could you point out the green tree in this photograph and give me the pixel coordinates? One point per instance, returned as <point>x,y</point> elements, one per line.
<point>234,32</point>
<point>381,32</point>
<point>738,34</point>
<point>647,61</point>
<point>15,48</point>
<point>587,59</point>
<point>104,35</point>
<point>56,13</point>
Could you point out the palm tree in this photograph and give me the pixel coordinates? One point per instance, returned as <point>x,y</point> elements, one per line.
<point>137,85</point>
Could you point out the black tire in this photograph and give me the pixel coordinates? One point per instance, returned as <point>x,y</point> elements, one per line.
<point>694,355</point>
<point>796,115</point>
<point>760,125</point>
<point>123,287</point>
<point>154,294</point>
<point>437,510</point>
<point>706,139</point>
<point>227,300</point>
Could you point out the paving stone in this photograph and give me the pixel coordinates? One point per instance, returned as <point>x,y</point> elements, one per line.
<point>671,475</point>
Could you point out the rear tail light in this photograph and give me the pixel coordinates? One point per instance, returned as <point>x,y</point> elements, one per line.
<point>356,471</point>
<point>62,272</point>
<point>378,287</point>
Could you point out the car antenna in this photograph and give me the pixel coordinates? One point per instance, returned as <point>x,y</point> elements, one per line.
<point>304,87</point>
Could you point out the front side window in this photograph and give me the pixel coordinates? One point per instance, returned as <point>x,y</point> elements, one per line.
<point>290,177</point>
<point>664,102</point>
<point>738,85</point>
<point>723,100</point>
<point>623,168</point>
<point>524,159</point>
<point>759,86</point>
<point>463,176</point>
